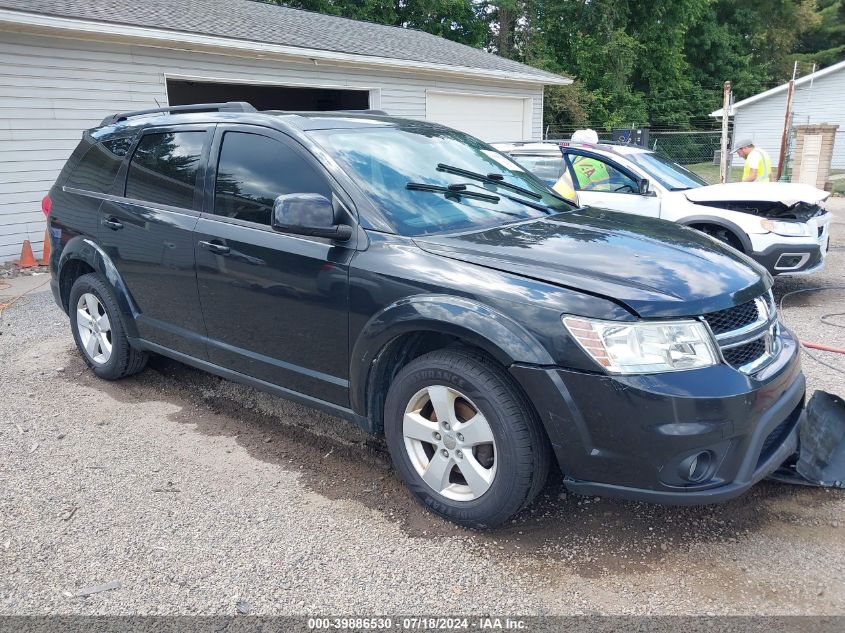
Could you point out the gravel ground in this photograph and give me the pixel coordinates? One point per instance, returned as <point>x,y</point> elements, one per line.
<point>199,496</point>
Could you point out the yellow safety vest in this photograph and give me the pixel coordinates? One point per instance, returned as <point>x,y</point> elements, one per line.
<point>564,187</point>
<point>591,173</point>
<point>758,159</point>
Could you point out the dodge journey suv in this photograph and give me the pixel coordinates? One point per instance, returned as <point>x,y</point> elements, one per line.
<point>417,282</point>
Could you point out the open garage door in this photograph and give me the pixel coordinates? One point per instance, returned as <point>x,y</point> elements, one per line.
<point>486,117</point>
<point>266,97</point>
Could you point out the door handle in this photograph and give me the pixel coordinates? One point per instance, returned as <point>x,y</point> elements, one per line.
<point>113,223</point>
<point>214,247</point>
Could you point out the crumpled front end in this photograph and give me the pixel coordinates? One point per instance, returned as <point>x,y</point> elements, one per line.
<point>820,460</point>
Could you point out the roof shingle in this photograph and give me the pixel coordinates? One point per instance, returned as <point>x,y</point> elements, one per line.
<point>272,24</point>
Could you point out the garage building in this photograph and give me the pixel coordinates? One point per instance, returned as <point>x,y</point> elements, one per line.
<point>66,64</point>
<point>819,98</point>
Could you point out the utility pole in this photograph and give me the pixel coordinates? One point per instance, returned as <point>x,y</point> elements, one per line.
<point>787,122</point>
<point>723,158</point>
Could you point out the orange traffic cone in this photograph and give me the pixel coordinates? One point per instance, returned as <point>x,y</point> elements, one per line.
<point>45,256</point>
<point>27,259</point>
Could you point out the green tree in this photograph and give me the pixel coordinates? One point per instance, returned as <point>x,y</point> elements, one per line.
<point>824,42</point>
<point>661,62</point>
<point>457,20</point>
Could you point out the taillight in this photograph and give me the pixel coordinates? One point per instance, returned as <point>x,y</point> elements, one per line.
<point>46,205</point>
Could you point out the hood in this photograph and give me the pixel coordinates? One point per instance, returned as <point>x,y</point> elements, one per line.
<point>786,193</point>
<point>653,267</point>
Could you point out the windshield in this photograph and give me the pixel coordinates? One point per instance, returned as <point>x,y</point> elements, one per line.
<point>669,174</point>
<point>385,160</point>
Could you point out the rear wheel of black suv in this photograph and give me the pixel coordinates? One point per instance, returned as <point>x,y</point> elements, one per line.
<point>464,439</point>
<point>99,332</point>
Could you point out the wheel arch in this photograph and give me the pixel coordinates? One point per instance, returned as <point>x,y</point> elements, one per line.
<point>734,228</point>
<point>417,325</point>
<point>81,256</point>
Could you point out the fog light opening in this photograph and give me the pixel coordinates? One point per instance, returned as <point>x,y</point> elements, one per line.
<point>696,468</point>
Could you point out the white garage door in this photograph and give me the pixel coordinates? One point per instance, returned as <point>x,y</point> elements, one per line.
<point>489,118</point>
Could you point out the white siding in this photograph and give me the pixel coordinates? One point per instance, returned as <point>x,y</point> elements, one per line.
<point>824,103</point>
<point>51,89</point>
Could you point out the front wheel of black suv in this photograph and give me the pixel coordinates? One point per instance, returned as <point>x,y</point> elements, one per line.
<point>99,332</point>
<point>464,438</point>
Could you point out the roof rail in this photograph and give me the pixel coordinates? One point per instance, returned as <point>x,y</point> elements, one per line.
<point>601,142</point>
<point>229,106</point>
<point>377,112</point>
<point>532,142</point>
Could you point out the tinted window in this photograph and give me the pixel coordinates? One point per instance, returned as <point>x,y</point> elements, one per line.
<point>164,168</point>
<point>253,170</point>
<point>98,167</point>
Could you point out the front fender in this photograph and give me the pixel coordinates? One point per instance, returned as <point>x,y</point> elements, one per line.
<point>477,324</point>
<point>85,250</point>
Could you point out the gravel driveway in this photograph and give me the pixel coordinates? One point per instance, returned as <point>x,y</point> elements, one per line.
<point>194,495</point>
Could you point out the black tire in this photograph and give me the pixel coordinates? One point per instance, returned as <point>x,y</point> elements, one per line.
<point>726,236</point>
<point>522,450</point>
<point>124,360</point>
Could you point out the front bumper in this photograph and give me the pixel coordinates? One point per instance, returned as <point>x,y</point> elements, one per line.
<point>793,255</point>
<point>634,436</point>
<point>791,259</point>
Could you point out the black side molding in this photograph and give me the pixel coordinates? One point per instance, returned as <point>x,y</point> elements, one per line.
<point>344,413</point>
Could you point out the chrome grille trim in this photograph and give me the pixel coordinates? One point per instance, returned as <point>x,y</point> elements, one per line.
<point>765,327</point>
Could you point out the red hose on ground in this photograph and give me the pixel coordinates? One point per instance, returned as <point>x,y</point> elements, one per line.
<point>824,348</point>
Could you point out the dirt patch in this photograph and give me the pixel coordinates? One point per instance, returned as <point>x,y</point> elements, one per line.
<point>10,270</point>
<point>338,461</point>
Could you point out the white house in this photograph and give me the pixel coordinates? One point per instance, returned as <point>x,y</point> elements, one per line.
<point>65,64</point>
<point>819,98</point>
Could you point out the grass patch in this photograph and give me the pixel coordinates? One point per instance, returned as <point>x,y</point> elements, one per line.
<point>710,172</point>
<point>838,183</point>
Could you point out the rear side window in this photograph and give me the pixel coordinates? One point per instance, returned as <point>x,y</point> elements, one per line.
<point>545,167</point>
<point>164,168</point>
<point>98,167</point>
<point>253,170</point>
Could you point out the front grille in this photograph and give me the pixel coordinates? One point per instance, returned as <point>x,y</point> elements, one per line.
<point>746,353</point>
<point>732,318</point>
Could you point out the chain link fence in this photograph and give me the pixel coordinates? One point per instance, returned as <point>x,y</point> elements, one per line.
<point>696,149</point>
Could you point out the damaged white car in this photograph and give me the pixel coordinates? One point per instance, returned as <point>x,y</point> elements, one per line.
<point>782,226</point>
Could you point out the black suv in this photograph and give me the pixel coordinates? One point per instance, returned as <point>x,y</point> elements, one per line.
<point>415,281</point>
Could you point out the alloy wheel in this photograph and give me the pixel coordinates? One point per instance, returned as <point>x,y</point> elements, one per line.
<point>94,328</point>
<point>450,443</point>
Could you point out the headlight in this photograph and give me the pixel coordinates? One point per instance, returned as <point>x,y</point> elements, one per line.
<point>789,229</point>
<point>644,347</point>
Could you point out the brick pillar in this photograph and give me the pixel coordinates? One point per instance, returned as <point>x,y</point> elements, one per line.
<point>812,153</point>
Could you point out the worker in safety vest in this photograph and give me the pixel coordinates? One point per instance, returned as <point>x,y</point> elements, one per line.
<point>758,164</point>
<point>590,173</point>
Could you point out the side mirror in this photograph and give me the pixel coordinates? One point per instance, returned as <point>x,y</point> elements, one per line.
<point>308,214</point>
<point>645,186</point>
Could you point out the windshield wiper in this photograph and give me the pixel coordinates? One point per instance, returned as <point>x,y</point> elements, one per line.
<point>459,190</point>
<point>528,203</point>
<point>495,179</point>
<point>455,190</point>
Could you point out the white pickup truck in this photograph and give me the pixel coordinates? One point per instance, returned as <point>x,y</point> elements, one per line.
<point>782,226</point>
